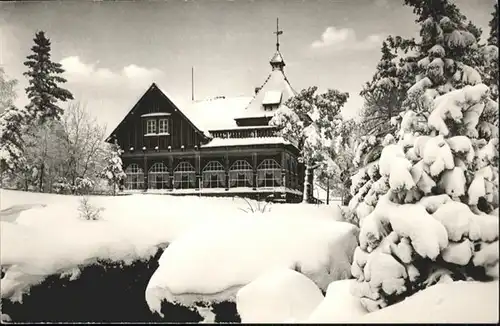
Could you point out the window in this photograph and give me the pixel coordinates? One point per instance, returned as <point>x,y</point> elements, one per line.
<point>158,176</point>
<point>241,174</point>
<point>269,174</point>
<point>214,175</point>
<point>135,177</point>
<point>163,126</point>
<point>184,176</point>
<point>151,126</point>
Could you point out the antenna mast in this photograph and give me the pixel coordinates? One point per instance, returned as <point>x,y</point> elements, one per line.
<point>192,83</point>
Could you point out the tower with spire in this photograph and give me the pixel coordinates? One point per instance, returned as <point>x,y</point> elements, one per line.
<point>277,61</point>
<point>275,91</point>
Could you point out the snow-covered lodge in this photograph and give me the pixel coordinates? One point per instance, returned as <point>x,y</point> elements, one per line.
<point>222,146</point>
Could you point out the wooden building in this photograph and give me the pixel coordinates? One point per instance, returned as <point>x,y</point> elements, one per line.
<point>223,146</point>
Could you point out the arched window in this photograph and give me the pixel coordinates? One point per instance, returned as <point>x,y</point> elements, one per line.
<point>184,176</point>
<point>158,176</point>
<point>241,174</point>
<point>214,175</point>
<point>135,177</point>
<point>269,174</point>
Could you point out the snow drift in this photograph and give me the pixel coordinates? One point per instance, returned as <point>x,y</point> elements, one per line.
<point>212,262</point>
<point>277,296</point>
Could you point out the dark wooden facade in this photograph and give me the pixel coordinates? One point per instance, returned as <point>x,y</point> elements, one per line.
<point>131,132</point>
<point>174,159</point>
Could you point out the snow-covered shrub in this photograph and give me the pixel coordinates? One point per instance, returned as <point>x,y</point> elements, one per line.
<point>88,211</point>
<point>349,216</point>
<point>256,206</point>
<point>83,186</point>
<point>425,219</point>
<point>62,186</point>
<point>113,170</point>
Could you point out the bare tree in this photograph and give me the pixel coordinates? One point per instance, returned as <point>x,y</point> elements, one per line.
<point>83,143</point>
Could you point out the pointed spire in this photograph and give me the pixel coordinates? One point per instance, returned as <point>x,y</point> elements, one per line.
<point>277,61</point>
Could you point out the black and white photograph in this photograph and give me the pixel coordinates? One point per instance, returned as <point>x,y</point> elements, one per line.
<point>249,161</point>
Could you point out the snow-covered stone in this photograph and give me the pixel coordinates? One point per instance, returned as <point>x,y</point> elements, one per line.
<point>248,246</point>
<point>281,295</point>
<point>339,305</point>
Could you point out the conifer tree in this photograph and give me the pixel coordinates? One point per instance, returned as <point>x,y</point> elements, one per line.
<point>493,24</point>
<point>430,210</point>
<point>113,170</point>
<point>11,126</point>
<point>44,77</point>
<point>384,94</point>
<point>490,54</point>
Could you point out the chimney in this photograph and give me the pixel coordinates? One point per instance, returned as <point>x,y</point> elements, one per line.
<point>257,89</point>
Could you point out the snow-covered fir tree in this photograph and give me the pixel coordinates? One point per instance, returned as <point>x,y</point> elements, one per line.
<point>312,122</point>
<point>44,76</point>
<point>384,94</point>
<point>113,170</point>
<point>11,128</point>
<point>429,212</point>
<point>11,141</point>
<point>493,24</point>
<point>490,52</point>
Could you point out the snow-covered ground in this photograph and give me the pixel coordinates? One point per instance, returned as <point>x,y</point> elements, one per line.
<point>50,239</point>
<point>218,252</point>
<point>456,302</point>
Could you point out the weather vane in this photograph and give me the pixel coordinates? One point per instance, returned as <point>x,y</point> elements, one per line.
<point>278,33</point>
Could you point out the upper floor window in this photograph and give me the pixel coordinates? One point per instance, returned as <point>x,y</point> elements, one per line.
<point>151,126</point>
<point>163,126</point>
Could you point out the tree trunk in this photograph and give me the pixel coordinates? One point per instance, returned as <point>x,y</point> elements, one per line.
<point>42,171</point>
<point>310,182</point>
<point>328,191</point>
<point>306,186</point>
<point>114,188</point>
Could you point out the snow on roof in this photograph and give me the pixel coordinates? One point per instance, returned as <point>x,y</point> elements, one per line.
<point>245,127</point>
<point>272,97</point>
<point>155,114</point>
<point>223,142</point>
<point>275,83</point>
<point>277,58</point>
<point>215,114</point>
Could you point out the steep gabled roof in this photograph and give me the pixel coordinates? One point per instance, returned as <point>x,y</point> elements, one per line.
<point>276,84</point>
<point>154,88</point>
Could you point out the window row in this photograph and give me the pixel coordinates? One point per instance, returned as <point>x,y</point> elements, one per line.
<point>213,175</point>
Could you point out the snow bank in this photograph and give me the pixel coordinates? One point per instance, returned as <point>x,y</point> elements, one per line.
<point>282,295</point>
<point>339,305</point>
<point>212,262</point>
<point>53,239</point>
<point>456,302</point>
